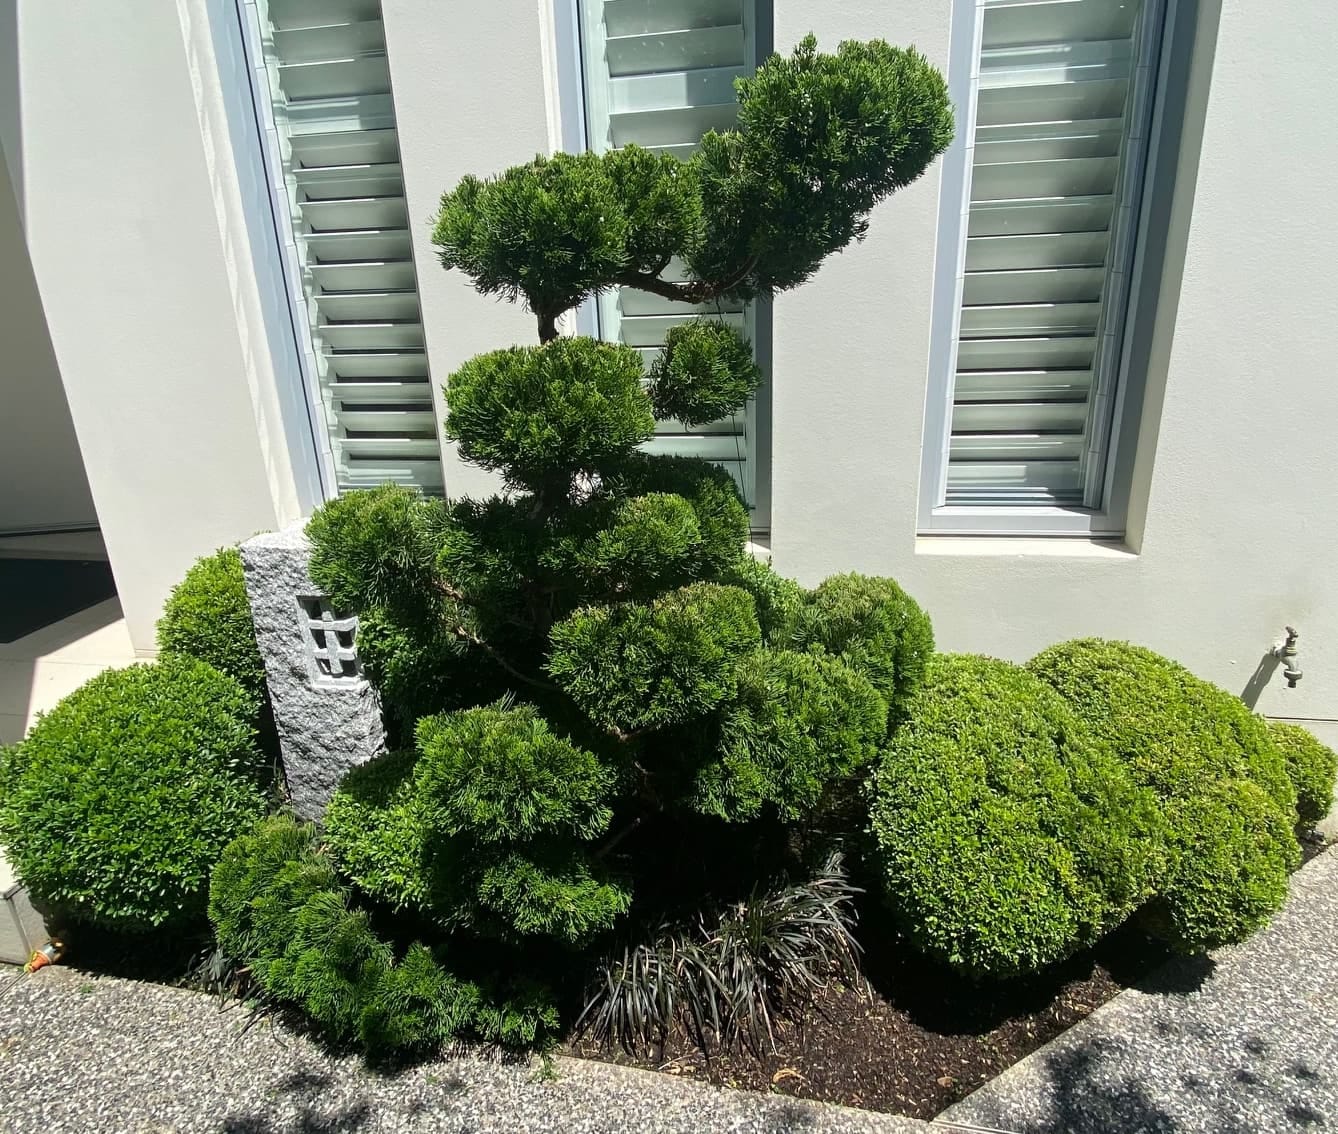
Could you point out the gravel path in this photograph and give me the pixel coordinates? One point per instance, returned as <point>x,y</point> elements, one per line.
<point>87,1055</point>
<point>1253,1049</point>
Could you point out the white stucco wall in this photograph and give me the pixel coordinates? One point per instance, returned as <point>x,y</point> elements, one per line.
<point>1232,533</point>
<point>470,97</point>
<point>1237,534</point>
<point>41,471</point>
<point>116,136</point>
<point>116,140</point>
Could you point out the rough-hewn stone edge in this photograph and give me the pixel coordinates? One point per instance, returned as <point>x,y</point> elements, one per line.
<point>324,728</point>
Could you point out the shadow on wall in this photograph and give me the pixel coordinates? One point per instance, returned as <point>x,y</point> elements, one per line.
<point>1263,672</point>
<point>11,106</point>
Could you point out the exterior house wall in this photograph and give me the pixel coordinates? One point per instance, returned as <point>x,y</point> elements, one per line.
<point>1233,533</point>
<point>470,97</point>
<point>40,466</point>
<point>117,143</point>
<point>117,136</point>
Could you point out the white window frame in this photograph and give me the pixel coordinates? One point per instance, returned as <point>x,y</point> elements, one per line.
<point>1116,392</point>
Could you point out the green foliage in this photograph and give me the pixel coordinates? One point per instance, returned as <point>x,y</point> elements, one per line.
<point>608,586</point>
<point>821,139</point>
<point>485,826</point>
<point>377,831</point>
<point>1190,742</point>
<point>1007,838</point>
<point>542,891</point>
<point>1176,732</point>
<point>780,601</point>
<point>420,668</point>
<point>121,799</point>
<point>729,978</point>
<point>636,666</point>
<point>208,616</point>
<point>560,228</point>
<point>541,415</point>
<point>1311,767</point>
<point>722,518</point>
<point>277,903</point>
<point>652,543</point>
<point>874,626</point>
<point>797,724</point>
<point>378,549</point>
<point>1230,851</point>
<point>704,372</point>
<point>416,1005</point>
<point>500,775</point>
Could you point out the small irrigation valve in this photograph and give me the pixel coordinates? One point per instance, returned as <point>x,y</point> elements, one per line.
<point>1286,653</point>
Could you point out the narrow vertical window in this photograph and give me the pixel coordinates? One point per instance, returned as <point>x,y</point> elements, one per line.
<point>660,73</point>
<point>339,193</point>
<point>1054,125</point>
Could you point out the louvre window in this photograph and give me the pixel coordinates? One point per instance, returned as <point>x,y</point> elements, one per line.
<point>660,73</point>
<point>1054,136</point>
<point>340,189</point>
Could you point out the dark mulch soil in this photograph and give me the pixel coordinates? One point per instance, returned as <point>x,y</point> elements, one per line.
<point>918,1040</point>
<point>913,1043</point>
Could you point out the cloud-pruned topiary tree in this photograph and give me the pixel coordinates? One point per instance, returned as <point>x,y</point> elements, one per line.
<point>591,651</point>
<point>821,139</point>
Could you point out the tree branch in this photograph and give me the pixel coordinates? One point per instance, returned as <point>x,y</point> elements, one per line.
<point>699,291</point>
<point>467,635</point>
<point>619,837</point>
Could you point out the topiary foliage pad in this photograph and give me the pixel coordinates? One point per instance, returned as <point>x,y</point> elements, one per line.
<point>1228,804</point>
<point>1006,837</point>
<point>122,798</point>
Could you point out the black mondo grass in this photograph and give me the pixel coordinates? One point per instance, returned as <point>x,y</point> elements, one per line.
<point>728,977</point>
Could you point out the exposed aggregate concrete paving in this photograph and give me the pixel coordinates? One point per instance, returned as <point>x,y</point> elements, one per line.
<point>87,1055</point>
<point>1245,1044</point>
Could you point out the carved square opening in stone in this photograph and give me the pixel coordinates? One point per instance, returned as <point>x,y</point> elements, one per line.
<point>331,641</point>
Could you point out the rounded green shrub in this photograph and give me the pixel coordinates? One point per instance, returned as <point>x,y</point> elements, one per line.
<point>539,415</point>
<point>780,601</point>
<point>1230,851</point>
<point>1311,767</point>
<point>123,797</point>
<point>873,625</point>
<point>1174,731</point>
<point>1194,745</point>
<point>501,775</point>
<point>277,904</point>
<point>375,827</point>
<point>705,371</point>
<point>796,724</point>
<point>635,666</point>
<point>208,616</point>
<point>1006,837</point>
<point>722,518</point>
<point>652,543</point>
<point>378,549</point>
<point>821,139</point>
<point>485,826</point>
<point>560,228</point>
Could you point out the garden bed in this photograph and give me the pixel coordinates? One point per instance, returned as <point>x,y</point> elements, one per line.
<point>918,1039</point>
<point>915,1041</point>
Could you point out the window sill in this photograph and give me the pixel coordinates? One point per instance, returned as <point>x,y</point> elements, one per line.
<point>1023,547</point>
